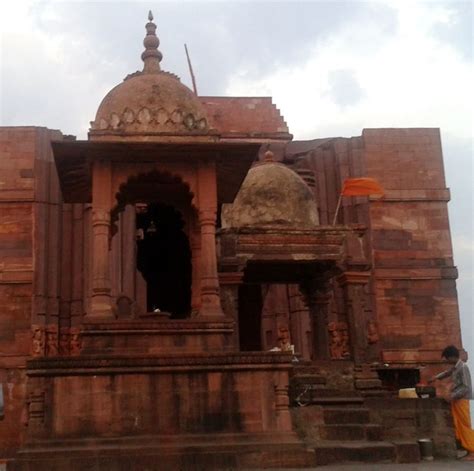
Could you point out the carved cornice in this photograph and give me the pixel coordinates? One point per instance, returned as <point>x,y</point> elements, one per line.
<point>159,119</point>
<point>354,277</point>
<point>157,327</point>
<point>101,365</point>
<point>231,278</point>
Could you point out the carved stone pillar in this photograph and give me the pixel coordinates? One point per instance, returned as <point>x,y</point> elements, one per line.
<point>282,403</point>
<point>35,411</point>
<point>317,299</point>
<point>210,300</point>
<point>355,286</point>
<point>101,286</point>
<point>229,288</point>
<point>101,306</point>
<point>195,243</point>
<point>320,322</point>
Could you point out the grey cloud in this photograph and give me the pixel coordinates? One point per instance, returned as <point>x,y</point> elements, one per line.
<point>459,32</point>
<point>344,88</point>
<point>225,38</point>
<point>102,43</point>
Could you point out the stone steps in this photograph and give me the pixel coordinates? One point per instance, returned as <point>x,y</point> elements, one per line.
<point>346,415</point>
<point>351,432</point>
<point>330,452</point>
<point>347,435</point>
<point>352,401</point>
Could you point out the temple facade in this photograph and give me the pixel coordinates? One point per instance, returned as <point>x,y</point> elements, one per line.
<point>180,280</point>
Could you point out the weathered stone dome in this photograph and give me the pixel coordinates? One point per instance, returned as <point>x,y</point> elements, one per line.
<point>272,195</point>
<point>151,101</point>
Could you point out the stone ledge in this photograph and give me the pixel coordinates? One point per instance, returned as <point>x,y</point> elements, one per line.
<point>103,365</point>
<point>167,326</point>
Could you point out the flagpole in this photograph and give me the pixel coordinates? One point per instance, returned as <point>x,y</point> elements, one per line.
<point>337,209</point>
<point>191,70</point>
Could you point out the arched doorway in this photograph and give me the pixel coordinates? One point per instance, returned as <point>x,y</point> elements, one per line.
<point>153,225</point>
<point>164,259</point>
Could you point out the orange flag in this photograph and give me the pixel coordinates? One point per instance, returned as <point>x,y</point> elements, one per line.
<point>361,187</point>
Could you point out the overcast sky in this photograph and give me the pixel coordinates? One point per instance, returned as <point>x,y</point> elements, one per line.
<point>333,68</point>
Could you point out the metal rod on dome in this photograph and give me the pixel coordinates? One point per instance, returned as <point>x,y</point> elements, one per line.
<point>191,70</point>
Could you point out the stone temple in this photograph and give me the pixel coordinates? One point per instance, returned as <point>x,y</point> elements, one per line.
<point>148,273</point>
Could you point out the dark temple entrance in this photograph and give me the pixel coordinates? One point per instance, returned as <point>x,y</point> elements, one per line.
<point>164,259</point>
<point>250,317</point>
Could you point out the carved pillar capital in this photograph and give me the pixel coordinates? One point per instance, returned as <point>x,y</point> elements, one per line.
<point>207,217</point>
<point>100,216</point>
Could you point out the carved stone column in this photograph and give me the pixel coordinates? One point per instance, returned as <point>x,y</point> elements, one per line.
<point>101,286</point>
<point>101,306</point>
<point>229,287</point>
<point>210,300</point>
<point>282,403</point>
<point>195,243</point>
<point>317,297</point>
<point>356,301</point>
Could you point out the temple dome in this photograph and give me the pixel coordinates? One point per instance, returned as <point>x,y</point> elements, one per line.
<point>272,195</point>
<point>151,101</point>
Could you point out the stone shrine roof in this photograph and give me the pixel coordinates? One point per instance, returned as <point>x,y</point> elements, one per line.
<point>272,195</point>
<point>153,104</point>
<point>150,102</point>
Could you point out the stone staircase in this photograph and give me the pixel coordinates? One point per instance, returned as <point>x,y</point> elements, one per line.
<point>337,424</point>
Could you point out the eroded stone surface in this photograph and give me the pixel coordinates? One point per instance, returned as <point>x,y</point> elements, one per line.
<point>272,194</point>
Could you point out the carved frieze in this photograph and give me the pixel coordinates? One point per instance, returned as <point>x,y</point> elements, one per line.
<point>159,119</point>
<point>75,344</point>
<point>52,343</point>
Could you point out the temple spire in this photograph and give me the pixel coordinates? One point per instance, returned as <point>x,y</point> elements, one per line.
<point>151,56</point>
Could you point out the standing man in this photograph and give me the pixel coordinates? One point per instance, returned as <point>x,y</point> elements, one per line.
<point>461,393</point>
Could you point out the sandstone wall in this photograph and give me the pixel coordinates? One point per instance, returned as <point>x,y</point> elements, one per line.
<point>414,275</point>
<point>36,264</point>
<point>17,162</point>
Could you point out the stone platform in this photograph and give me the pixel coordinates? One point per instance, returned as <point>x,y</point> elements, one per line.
<point>166,452</point>
<point>171,411</point>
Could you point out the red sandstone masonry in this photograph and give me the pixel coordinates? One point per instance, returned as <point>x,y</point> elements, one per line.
<point>17,148</point>
<point>410,231</point>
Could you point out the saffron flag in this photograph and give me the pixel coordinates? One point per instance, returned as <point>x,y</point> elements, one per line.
<point>361,187</point>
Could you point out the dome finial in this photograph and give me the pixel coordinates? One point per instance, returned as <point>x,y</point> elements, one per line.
<point>268,156</point>
<point>151,56</point>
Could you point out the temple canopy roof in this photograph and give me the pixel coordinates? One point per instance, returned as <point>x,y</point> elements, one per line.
<point>272,195</point>
<point>151,101</point>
